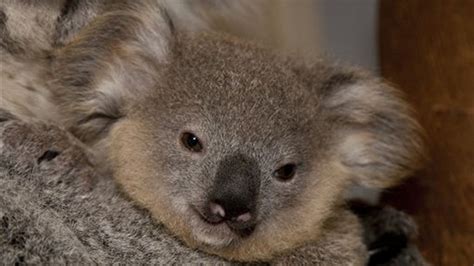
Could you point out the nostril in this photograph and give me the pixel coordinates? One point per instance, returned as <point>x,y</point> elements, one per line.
<point>243,218</point>
<point>216,209</point>
<point>243,225</point>
<point>231,208</point>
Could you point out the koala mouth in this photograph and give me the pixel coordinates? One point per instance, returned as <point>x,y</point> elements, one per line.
<point>242,225</point>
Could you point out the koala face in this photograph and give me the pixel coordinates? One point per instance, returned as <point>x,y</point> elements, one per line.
<point>226,150</point>
<point>230,167</point>
<point>237,154</point>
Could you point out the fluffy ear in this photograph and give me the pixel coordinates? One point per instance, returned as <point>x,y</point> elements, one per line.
<point>112,59</point>
<point>379,142</point>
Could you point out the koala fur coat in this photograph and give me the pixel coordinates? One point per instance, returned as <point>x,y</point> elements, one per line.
<point>55,209</point>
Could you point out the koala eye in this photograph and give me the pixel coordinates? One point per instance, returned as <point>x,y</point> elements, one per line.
<point>286,172</point>
<point>191,142</point>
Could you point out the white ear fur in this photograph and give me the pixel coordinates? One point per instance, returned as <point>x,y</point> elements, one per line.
<point>380,139</point>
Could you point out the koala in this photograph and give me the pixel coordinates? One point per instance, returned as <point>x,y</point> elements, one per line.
<point>239,151</point>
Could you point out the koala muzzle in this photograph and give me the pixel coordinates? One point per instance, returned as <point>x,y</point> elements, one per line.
<point>234,195</point>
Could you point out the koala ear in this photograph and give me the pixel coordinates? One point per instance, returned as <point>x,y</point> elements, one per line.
<point>379,142</point>
<point>109,62</point>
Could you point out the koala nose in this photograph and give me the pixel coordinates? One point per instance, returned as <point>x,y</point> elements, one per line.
<point>235,213</point>
<point>233,198</point>
<point>232,210</point>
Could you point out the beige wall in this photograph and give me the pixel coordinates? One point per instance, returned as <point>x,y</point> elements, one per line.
<point>343,29</point>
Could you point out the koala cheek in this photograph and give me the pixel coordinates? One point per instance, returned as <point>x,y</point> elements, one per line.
<point>131,166</point>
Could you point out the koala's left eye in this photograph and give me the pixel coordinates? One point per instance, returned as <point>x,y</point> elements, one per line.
<point>191,142</point>
<point>286,172</point>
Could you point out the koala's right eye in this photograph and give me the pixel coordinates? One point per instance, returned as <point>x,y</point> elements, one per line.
<point>286,172</point>
<point>191,142</point>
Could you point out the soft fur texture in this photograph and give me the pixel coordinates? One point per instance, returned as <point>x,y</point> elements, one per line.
<point>129,78</point>
<point>55,209</point>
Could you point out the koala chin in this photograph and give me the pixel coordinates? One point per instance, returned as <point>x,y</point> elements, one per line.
<point>237,150</point>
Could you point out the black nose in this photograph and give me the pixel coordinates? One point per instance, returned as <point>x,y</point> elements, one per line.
<point>234,195</point>
<point>235,213</point>
<point>233,209</point>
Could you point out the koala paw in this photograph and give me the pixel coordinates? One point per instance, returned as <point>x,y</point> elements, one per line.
<point>38,146</point>
<point>388,234</point>
<point>387,247</point>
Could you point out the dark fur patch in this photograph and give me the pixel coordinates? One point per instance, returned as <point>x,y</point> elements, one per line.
<point>3,119</point>
<point>386,248</point>
<point>29,88</point>
<point>5,39</point>
<point>97,116</point>
<point>336,81</point>
<point>5,115</point>
<point>6,42</point>
<point>68,10</point>
<point>3,19</point>
<point>70,6</point>
<point>48,156</point>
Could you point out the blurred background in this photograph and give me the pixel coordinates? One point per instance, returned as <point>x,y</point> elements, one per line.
<point>344,29</point>
<point>426,48</point>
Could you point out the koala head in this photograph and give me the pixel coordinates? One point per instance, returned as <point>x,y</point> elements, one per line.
<point>245,154</point>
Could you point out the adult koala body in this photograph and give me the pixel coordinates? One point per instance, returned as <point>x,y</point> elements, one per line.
<point>236,150</point>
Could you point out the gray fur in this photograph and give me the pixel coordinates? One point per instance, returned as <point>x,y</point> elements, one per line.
<point>128,80</point>
<point>58,210</point>
<point>26,23</point>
